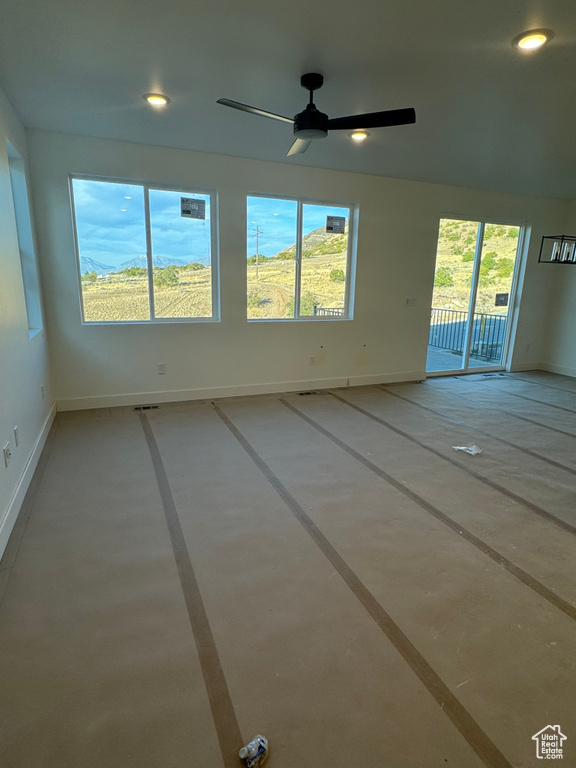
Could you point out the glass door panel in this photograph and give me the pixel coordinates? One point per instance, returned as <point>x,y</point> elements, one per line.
<point>495,277</point>
<point>451,298</point>
<point>473,285</point>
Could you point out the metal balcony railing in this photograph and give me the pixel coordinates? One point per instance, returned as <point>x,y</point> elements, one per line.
<point>328,311</point>
<point>448,331</point>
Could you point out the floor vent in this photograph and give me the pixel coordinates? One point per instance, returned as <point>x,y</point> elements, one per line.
<point>491,375</point>
<point>302,394</point>
<point>145,407</point>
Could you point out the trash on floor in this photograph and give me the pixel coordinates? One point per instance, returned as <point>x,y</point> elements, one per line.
<point>471,449</point>
<point>255,752</point>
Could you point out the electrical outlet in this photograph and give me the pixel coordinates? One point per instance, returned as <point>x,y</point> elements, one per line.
<point>161,367</point>
<point>411,301</point>
<point>7,454</point>
<point>312,360</point>
<point>16,437</point>
<point>42,390</point>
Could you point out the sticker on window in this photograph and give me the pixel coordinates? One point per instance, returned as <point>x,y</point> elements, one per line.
<point>336,225</point>
<point>192,208</point>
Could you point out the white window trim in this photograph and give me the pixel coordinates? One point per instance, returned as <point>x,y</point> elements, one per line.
<point>214,256</point>
<point>350,259</point>
<point>26,237</point>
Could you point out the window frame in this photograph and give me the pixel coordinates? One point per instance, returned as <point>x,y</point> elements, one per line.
<point>20,196</point>
<point>214,248</point>
<point>353,214</point>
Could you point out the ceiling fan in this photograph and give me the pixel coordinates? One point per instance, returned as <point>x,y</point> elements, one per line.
<point>312,124</point>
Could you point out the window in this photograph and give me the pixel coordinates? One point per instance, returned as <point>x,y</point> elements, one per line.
<point>25,240</point>
<point>299,259</point>
<point>145,253</point>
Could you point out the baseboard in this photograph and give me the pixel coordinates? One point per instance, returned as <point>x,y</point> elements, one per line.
<point>517,367</point>
<point>174,396</point>
<point>15,504</point>
<point>562,369</point>
<point>386,378</point>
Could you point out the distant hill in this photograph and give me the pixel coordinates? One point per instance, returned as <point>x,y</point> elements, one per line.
<point>317,243</point>
<point>90,265</point>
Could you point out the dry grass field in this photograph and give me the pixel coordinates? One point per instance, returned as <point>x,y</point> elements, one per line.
<point>272,294</point>
<point>185,291</point>
<point>117,298</point>
<point>270,284</point>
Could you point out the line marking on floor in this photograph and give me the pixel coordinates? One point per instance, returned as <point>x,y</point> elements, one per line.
<point>514,570</point>
<point>478,740</point>
<point>540,383</point>
<point>489,407</point>
<point>532,399</point>
<point>223,713</point>
<point>568,527</point>
<point>527,451</point>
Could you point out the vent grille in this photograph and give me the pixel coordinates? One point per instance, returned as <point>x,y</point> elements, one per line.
<point>145,407</point>
<point>303,394</point>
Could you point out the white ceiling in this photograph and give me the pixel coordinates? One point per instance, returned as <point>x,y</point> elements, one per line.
<point>487,116</point>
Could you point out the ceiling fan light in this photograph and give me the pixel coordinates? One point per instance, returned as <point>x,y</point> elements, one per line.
<point>156,99</point>
<point>532,39</point>
<point>359,136</point>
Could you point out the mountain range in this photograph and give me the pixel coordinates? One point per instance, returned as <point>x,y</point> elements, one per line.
<point>91,265</point>
<point>157,261</point>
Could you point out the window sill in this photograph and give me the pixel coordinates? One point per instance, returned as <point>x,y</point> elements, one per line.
<point>298,319</point>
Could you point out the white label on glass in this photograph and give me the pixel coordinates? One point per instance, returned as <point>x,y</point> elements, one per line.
<point>192,208</point>
<point>336,225</point>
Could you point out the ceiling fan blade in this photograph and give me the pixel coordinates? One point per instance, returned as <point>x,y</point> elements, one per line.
<point>254,110</point>
<point>299,146</point>
<point>374,120</point>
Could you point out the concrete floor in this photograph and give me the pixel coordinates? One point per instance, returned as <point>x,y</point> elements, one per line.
<point>440,359</point>
<point>323,569</point>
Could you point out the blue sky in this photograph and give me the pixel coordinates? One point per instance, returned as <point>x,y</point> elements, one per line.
<point>111,227</point>
<point>276,219</point>
<point>111,224</point>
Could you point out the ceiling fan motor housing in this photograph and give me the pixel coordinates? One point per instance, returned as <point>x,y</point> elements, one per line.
<point>310,124</point>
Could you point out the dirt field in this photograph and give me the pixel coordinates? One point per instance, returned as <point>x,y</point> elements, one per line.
<point>119,298</point>
<point>272,295</point>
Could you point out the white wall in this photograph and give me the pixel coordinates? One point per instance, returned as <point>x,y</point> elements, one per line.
<point>560,349</point>
<point>23,358</point>
<point>97,365</point>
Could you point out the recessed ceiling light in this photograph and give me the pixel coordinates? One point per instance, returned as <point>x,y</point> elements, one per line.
<point>532,39</point>
<point>156,99</point>
<point>359,136</point>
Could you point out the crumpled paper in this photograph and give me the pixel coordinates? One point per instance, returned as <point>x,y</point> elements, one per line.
<point>471,449</point>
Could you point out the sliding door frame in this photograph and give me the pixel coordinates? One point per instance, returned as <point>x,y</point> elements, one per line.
<point>514,297</point>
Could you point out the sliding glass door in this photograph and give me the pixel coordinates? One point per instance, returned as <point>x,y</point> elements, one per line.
<point>474,282</point>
